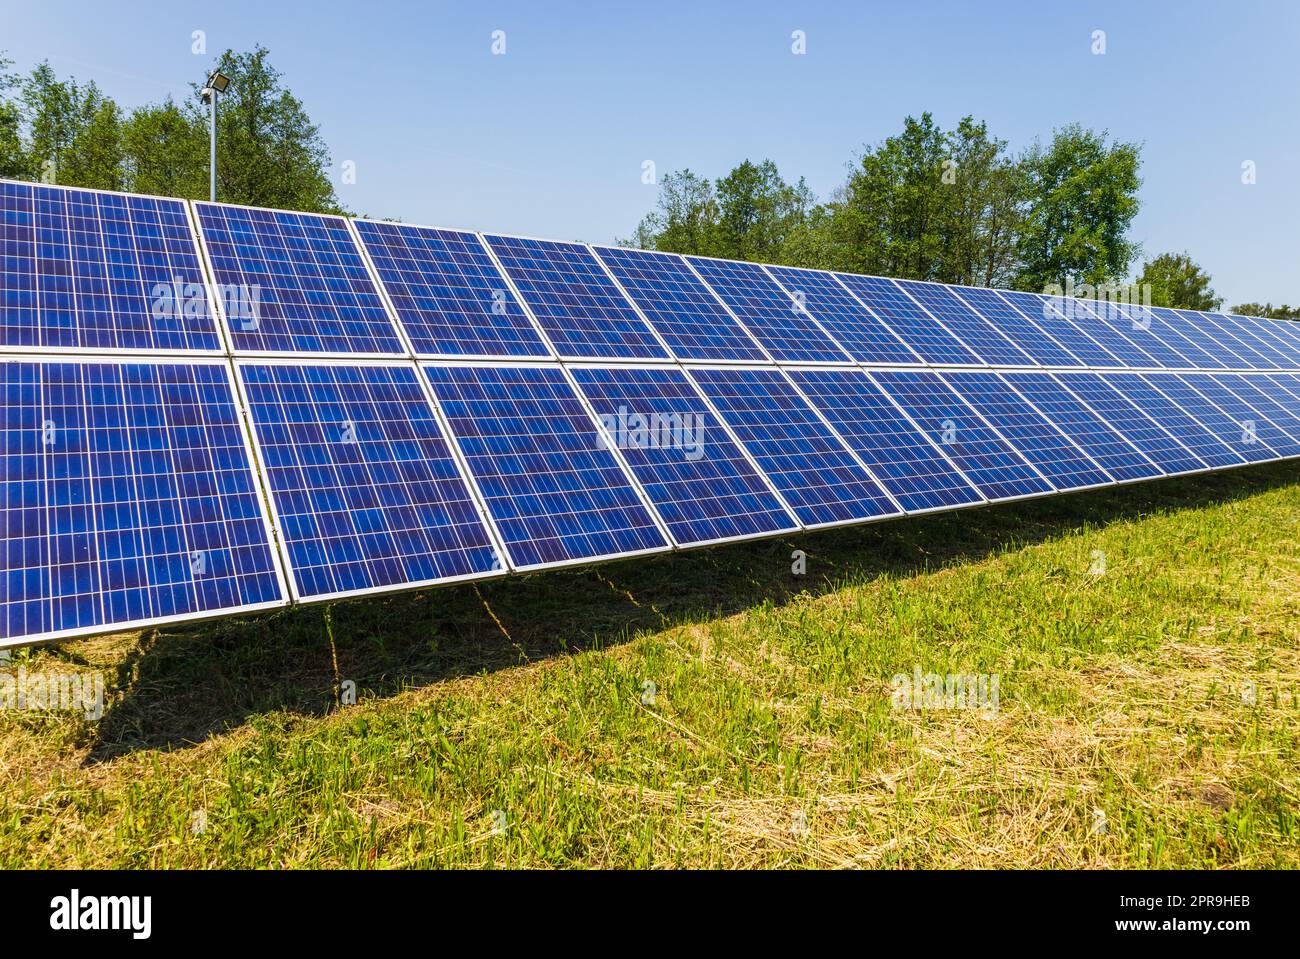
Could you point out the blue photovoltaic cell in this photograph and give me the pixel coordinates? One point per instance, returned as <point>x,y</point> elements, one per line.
<point>1247,357</point>
<point>1186,428</point>
<point>982,337</point>
<point>365,487</point>
<point>1045,312</point>
<point>697,478</point>
<point>1143,333</point>
<point>1020,329</point>
<point>1043,444</point>
<point>99,271</point>
<point>129,497</point>
<point>1134,424</point>
<point>1273,402</point>
<point>1111,337</point>
<point>554,489</point>
<point>581,309</point>
<point>679,306</point>
<point>1211,341</point>
<point>1282,388</point>
<point>1254,411</point>
<point>768,312</point>
<point>1090,432</point>
<point>1251,335</point>
<point>294,282</point>
<point>919,330</point>
<point>1166,340</point>
<point>1231,430</point>
<point>450,297</point>
<point>903,459</point>
<point>844,317</point>
<point>1285,333</point>
<point>806,462</point>
<point>996,468</point>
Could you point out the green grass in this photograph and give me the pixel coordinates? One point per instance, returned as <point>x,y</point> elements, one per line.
<point>522,702</point>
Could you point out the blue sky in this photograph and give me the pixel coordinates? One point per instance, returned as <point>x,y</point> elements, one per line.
<point>549,139</point>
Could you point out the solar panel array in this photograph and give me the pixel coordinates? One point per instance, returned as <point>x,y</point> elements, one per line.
<point>212,409</point>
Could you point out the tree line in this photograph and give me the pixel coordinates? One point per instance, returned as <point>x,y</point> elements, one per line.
<point>956,206</point>
<point>953,206</point>
<point>62,130</point>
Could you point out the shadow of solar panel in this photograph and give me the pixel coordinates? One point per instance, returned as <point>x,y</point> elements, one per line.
<point>1091,433</point>
<point>554,489</point>
<point>983,338</point>
<point>904,460</point>
<point>923,333</point>
<point>364,487</point>
<point>703,487</point>
<point>996,468</point>
<point>857,330</point>
<point>294,282</point>
<point>769,312</point>
<point>1236,428</point>
<point>449,296</point>
<point>807,463</point>
<point>87,270</point>
<point>1132,423</point>
<point>129,499</point>
<point>679,306</point>
<point>581,309</point>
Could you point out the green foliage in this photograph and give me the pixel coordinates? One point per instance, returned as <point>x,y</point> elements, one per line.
<point>1177,281</point>
<point>1084,198</point>
<point>1279,312</point>
<point>271,154</point>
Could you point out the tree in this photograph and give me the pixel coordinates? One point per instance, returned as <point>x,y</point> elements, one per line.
<point>1084,198</point>
<point>271,154</point>
<point>165,152</point>
<point>981,219</point>
<point>1177,281</point>
<point>1268,310</point>
<point>52,118</point>
<point>758,211</point>
<point>94,157</point>
<point>14,161</point>
<point>684,219</point>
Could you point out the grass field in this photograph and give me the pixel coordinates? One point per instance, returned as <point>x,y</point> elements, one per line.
<point>1147,714</point>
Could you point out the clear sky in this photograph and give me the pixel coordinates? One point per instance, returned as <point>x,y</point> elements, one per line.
<point>549,139</point>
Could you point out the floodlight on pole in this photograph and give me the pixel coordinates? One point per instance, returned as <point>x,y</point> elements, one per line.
<point>217,84</point>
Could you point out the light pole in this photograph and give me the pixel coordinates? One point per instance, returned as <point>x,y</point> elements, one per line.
<point>217,83</point>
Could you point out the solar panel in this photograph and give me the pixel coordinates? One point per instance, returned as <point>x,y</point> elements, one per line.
<point>1089,431</point>
<point>1049,314</point>
<point>1231,395</point>
<point>1270,400</point>
<point>998,470</point>
<point>904,460</point>
<point>555,491</point>
<point>129,499</point>
<point>918,329</point>
<point>448,294</point>
<point>1284,388</point>
<point>1237,430</point>
<point>1238,353</point>
<point>364,487</point>
<point>581,309</point>
<point>1144,432</point>
<point>293,282</point>
<point>1141,328</point>
<point>1186,428</point>
<point>1175,336</point>
<point>679,306</point>
<point>769,312</point>
<point>1286,333</point>
<point>702,485</point>
<point>809,465</point>
<point>1116,342</point>
<point>87,270</point>
<point>1258,340</point>
<point>1020,329</point>
<point>1038,440</point>
<point>1195,330</point>
<point>982,337</point>
<point>842,315</point>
